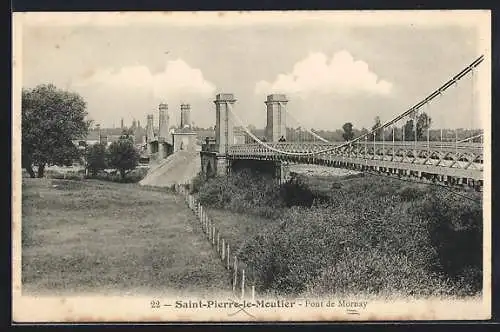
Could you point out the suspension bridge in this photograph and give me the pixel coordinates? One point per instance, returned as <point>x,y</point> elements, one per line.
<point>400,147</point>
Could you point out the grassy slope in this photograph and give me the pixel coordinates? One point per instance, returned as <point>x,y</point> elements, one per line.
<point>91,236</point>
<point>238,228</point>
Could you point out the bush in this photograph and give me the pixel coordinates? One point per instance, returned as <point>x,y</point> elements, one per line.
<point>256,193</point>
<point>65,176</point>
<point>133,177</point>
<point>368,239</point>
<point>197,183</point>
<point>96,156</point>
<point>372,271</point>
<point>456,232</point>
<point>242,191</point>
<point>376,235</point>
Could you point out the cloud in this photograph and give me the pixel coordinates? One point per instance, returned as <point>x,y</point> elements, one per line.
<point>177,79</point>
<point>316,74</point>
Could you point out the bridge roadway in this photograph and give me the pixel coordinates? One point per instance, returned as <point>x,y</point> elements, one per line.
<point>462,161</point>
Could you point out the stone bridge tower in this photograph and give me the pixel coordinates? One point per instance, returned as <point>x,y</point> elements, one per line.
<point>185,115</point>
<point>276,117</point>
<point>224,123</point>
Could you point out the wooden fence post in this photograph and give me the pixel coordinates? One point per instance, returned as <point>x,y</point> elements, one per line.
<point>218,241</point>
<point>209,222</point>
<point>242,283</point>
<point>235,272</point>
<point>213,236</point>
<point>223,247</point>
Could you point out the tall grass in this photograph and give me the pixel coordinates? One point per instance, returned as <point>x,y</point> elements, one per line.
<point>369,235</point>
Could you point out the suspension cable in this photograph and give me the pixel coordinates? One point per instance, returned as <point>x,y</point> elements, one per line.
<point>470,138</point>
<point>308,130</point>
<point>413,109</point>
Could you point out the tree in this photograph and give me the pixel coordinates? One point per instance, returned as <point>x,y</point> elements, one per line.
<point>393,131</point>
<point>348,133</point>
<point>408,131</point>
<point>123,156</point>
<point>96,158</point>
<point>127,134</point>
<point>51,119</point>
<point>378,132</point>
<point>423,122</point>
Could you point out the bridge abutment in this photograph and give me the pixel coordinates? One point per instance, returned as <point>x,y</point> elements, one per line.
<point>214,164</point>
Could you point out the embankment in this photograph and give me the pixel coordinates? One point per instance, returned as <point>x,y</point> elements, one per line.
<point>180,167</point>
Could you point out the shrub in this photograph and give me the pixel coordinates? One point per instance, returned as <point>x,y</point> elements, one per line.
<point>133,177</point>
<point>296,192</point>
<point>96,156</point>
<point>242,191</point>
<point>455,230</point>
<point>369,240</point>
<point>372,271</point>
<point>197,183</point>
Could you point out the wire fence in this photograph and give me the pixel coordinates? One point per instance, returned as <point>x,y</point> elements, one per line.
<point>243,277</point>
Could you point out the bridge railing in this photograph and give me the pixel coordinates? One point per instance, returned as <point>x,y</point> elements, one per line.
<point>292,147</point>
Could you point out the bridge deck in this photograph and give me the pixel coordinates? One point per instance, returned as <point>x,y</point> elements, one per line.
<point>463,160</point>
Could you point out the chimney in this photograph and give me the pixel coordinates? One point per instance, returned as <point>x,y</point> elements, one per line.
<point>185,115</point>
<point>149,128</point>
<point>163,119</point>
<point>122,124</point>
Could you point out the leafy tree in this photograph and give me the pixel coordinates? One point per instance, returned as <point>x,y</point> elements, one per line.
<point>348,132</point>
<point>393,131</point>
<point>378,132</point>
<point>123,156</point>
<point>127,134</point>
<point>423,122</point>
<point>51,119</point>
<point>96,158</point>
<point>408,131</point>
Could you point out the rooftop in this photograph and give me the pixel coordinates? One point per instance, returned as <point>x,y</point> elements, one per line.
<point>184,131</point>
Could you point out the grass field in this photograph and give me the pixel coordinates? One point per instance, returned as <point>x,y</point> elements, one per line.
<point>109,238</point>
<point>238,228</point>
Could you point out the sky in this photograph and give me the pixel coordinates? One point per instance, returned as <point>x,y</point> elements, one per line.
<point>332,69</point>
